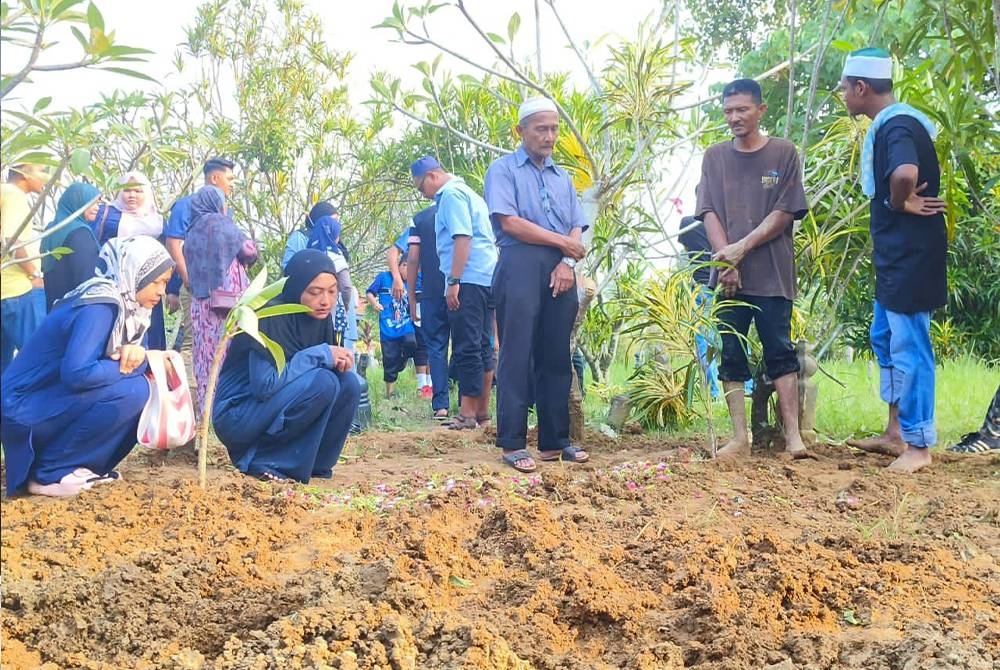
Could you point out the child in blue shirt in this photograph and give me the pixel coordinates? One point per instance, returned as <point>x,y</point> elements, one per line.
<point>399,338</point>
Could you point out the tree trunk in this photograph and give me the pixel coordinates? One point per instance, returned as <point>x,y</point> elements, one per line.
<point>587,291</point>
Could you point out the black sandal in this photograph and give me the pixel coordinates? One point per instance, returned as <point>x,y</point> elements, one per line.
<point>459,422</point>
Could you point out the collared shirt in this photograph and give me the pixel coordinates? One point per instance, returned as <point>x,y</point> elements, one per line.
<point>461,211</point>
<point>546,197</point>
<point>180,219</point>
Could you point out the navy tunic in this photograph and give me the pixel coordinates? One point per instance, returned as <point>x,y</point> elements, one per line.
<point>292,425</point>
<point>65,404</point>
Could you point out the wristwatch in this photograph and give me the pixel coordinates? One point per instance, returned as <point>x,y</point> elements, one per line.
<point>454,281</point>
<point>888,205</point>
<point>569,261</point>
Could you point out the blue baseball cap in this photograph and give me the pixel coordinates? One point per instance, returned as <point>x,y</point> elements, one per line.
<point>422,166</point>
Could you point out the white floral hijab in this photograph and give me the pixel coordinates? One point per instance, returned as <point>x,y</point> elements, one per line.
<point>129,264</point>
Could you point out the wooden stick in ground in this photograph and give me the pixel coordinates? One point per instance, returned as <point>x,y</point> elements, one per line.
<point>209,401</point>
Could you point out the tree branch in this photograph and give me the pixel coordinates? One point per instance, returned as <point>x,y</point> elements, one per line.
<point>532,85</point>
<point>26,70</point>
<point>763,75</point>
<point>447,128</point>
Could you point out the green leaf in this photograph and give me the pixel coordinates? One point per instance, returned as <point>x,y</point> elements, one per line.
<point>94,18</point>
<point>56,13</point>
<point>247,320</point>
<point>84,42</point>
<point>130,73</point>
<point>41,104</point>
<point>277,353</point>
<point>842,45</point>
<point>255,287</point>
<point>458,582</point>
<point>513,25</point>
<point>849,617</point>
<point>281,310</point>
<point>257,300</point>
<point>79,161</point>
<point>496,39</point>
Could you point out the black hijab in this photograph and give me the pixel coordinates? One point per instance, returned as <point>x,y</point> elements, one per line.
<point>292,332</point>
<point>318,211</point>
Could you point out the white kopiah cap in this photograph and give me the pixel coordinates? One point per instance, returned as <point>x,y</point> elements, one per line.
<point>533,106</point>
<point>868,63</point>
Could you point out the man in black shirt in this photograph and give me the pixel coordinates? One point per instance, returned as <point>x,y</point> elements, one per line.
<point>901,175</point>
<point>432,309</point>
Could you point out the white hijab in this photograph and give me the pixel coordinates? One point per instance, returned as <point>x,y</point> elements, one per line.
<point>129,265</point>
<point>141,220</point>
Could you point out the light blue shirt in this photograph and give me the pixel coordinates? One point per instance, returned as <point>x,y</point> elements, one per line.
<point>297,241</point>
<point>403,242</point>
<point>546,197</point>
<point>461,211</point>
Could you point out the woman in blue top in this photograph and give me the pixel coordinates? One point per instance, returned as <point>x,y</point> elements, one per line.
<point>64,274</point>
<point>292,424</point>
<point>72,398</point>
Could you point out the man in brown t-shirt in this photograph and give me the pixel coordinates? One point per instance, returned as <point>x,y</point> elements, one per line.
<point>749,194</point>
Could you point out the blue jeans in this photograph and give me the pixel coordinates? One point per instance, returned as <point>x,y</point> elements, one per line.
<point>20,317</point>
<point>706,338</point>
<point>902,346</point>
<point>436,331</point>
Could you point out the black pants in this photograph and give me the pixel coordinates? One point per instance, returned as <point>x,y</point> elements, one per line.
<point>773,318</point>
<point>534,347</point>
<point>471,327</point>
<point>396,354</point>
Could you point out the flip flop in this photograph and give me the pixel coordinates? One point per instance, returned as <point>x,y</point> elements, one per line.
<point>112,476</point>
<point>512,458</point>
<point>568,454</point>
<point>71,484</point>
<point>483,419</point>
<point>441,417</point>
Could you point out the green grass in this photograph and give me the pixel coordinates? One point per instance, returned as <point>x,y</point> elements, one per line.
<point>965,387</point>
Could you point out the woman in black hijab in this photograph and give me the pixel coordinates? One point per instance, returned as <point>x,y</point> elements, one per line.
<point>290,425</point>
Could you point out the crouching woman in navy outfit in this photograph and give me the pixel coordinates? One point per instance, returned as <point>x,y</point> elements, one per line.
<point>292,424</point>
<point>73,396</point>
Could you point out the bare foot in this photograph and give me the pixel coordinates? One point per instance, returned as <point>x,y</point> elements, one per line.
<point>885,444</point>
<point>733,451</point>
<point>911,460</point>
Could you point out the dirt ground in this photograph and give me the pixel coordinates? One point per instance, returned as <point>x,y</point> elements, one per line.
<point>423,552</point>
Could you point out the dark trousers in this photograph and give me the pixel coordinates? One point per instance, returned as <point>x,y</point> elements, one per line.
<point>436,331</point>
<point>396,353</point>
<point>296,433</point>
<point>534,347</point>
<point>471,327</point>
<point>773,318</point>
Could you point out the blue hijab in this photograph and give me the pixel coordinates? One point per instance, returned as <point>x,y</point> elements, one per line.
<point>77,196</point>
<point>325,236</point>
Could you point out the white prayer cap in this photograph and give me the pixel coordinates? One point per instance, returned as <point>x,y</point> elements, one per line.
<point>533,106</point>
<point>869,63</point>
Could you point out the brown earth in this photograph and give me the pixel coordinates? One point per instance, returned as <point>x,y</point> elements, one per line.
<point>424,553</point>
